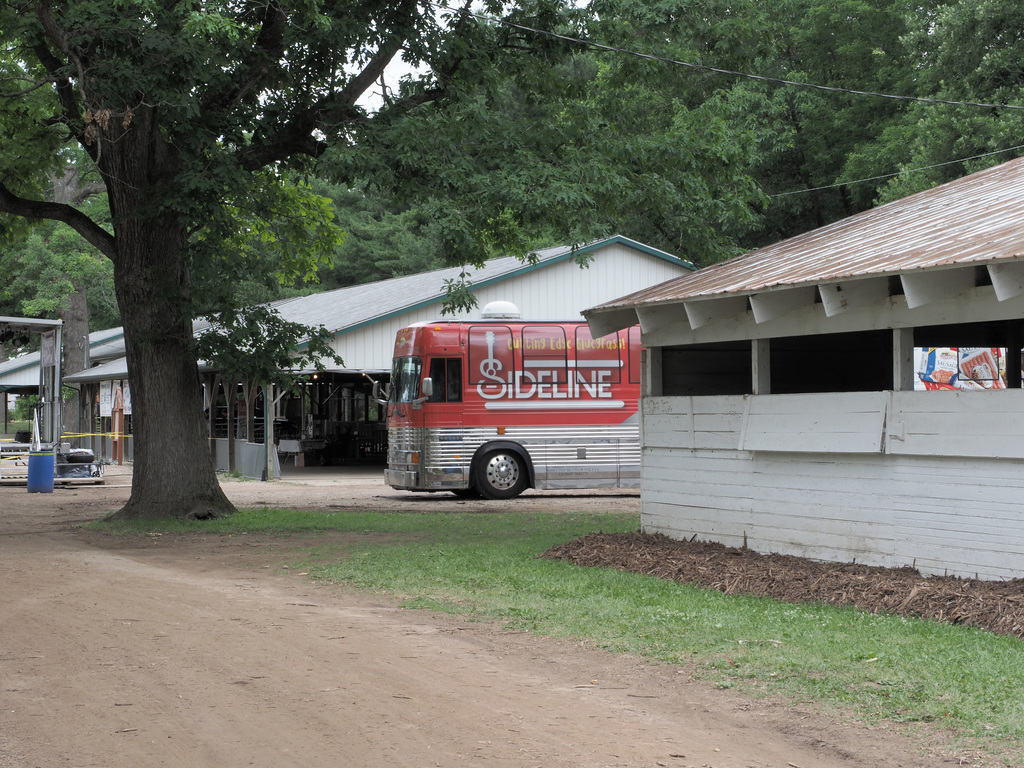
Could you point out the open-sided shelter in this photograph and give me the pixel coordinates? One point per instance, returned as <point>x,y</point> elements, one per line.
<point>44,377</point>
<point>781,412</point>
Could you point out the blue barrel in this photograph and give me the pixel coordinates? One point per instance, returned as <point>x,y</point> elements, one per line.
<point>40,472</point>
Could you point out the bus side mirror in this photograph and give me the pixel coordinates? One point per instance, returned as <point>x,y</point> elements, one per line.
<point>381,394</point>
<point>426,392</point>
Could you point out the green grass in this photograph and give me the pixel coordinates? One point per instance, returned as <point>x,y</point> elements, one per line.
<point>14,426</point>
<point>484,567</point>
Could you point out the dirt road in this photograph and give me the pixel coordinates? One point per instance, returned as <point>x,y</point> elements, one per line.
<point>209,651</point>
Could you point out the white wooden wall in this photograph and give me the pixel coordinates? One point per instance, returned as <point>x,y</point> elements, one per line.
<point>559,291</point>
<point>932,480</point>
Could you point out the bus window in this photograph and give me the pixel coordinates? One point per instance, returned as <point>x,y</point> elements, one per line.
<point>490,354</point>
<point>446,373</point>
<point>405,378</point>
<point>598,355</point>
<point>544,352</point>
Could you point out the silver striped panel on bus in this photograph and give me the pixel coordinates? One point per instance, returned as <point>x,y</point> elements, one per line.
<point>590,456</point>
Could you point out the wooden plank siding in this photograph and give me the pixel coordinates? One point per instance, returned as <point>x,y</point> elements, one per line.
<point>958,423</point>
<point>845,423</point>
<point>693,422</point>
<point>925,479</point>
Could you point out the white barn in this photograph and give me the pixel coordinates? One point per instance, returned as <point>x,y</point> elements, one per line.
<point>364,320</point>
<point>780,410</point>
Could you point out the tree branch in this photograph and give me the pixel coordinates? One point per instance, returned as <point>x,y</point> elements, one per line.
<point>444,75</point>
<point>94,234</point>
<point>88,190</point>
<point>297,136</point>
<point>267,51</point>
<point>72,117</point>
<point>359,84</point>
<point>69,188</point>
<point>24,91</point>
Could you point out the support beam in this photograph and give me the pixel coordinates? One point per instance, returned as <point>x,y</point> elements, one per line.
<point>903,373</point>
<point>922,288</point>
<point>703,312</point>
<point>603,323</point>
<point>652,382</point>
<point>1013,353</point>
<point>231,399</point>
<point>761,366</point>
<point>660,316</point>
<point>268,432</point>
<point>853,294</point>
<point>773,304</point>
<point>211,391</point>
<point>1007,279</point>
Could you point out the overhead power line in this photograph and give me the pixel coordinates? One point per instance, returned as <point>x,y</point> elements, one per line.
<point>776,80</point>
<point>898,173</point>
<point>730,72</point>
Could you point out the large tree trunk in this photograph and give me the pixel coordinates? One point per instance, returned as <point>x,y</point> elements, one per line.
<point>172,474</point>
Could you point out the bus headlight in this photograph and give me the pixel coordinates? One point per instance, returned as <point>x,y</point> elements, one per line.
<point>405,458</point>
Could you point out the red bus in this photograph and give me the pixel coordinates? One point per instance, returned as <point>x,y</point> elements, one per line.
<point>493,407</point>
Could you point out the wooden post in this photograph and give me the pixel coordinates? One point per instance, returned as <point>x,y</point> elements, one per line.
<point>903,359</point>
<point>268,431</point>
<point>117,426</point>
<point>230,397</point>
<point>212,390</point>
<point>761,366</point>
<point>1013,346</point>
<point>650,364</point>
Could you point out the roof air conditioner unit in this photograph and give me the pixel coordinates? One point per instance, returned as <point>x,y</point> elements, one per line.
<point>500,310</point>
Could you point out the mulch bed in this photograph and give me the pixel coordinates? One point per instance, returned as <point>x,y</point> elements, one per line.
<point>996,606</point>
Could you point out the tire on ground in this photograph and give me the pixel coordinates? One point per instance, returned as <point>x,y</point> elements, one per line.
<point>500,474</point>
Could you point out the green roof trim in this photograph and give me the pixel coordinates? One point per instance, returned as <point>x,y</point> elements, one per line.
<point>623,240</point>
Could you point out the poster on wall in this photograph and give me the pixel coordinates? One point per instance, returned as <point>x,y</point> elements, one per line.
<point>982,368</point>
<point>106,399</point>
<point>127,394</point>
<point>48,349</point>
<point>961,368</point>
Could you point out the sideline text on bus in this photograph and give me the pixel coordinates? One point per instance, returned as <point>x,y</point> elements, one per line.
<point>492,407</point>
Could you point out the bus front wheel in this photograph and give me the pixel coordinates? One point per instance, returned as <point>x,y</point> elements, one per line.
<point>501,475</point>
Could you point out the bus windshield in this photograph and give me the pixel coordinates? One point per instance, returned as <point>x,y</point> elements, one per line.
<point>405,378</point>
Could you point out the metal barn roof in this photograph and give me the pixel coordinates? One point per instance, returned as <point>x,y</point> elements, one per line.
<point>347,309</point>
<point>23,370</point>
<point>977,220</point>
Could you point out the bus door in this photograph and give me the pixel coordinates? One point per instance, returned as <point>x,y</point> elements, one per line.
<point>442,364</point>
<point>443,407</point>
